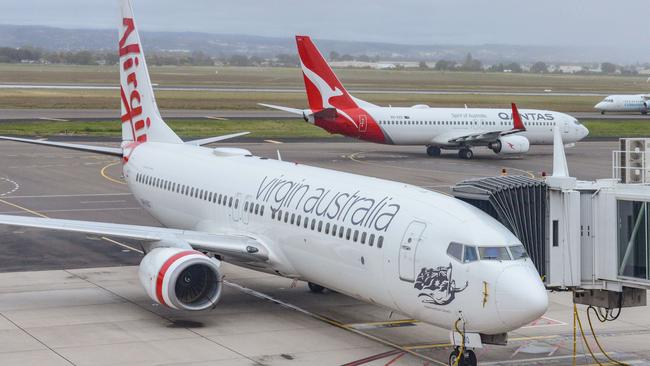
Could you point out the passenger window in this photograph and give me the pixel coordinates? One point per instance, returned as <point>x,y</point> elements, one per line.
<point>518,252</point>
<point>372,240</point>
<point>273,214</point>
<point>334,230</point>
<point>262,210</point>
<point>279,215</point>
<point>320,226</point>
<point>363,237</point>
<point>286,216</point>
<point>313,224</point>
<point>455,250</point>
<point>192,192</point>
<point>293,218</point>
<point>355,237</point>
<point>298,220</point>
<point>494,253</point>
<point>341,231</point>
<point>214,198</point>
<point>347,234</point>
<point>470,254</point>
<point>210,196</point>
<point>306,222</point>
<point>327,228</point>
<point>257,210</point>
<point>230,202</point>
<point>246,206</point>
<point>380,242</point>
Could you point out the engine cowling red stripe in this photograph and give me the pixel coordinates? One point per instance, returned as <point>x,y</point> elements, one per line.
<point>163,270</point>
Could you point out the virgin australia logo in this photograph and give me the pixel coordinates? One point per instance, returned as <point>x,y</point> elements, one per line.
<point>437,286</point>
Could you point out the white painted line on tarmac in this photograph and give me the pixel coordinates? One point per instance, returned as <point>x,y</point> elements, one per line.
<point>53,119</point>
<point>113,201</point>
<point>273,141</point>
<point>79,210</point>
<point>216,118</point>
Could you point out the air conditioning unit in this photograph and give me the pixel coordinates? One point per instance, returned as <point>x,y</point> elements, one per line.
<point>633,159</point>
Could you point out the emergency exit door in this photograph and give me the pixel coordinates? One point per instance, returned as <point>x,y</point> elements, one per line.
<point>408,250</point>
<point>363,123</point>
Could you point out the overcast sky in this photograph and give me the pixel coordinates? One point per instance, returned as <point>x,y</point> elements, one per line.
<point>542,22</point>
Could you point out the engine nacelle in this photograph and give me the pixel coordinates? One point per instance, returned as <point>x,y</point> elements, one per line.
<point>512,144</point>
<point>181,279</point>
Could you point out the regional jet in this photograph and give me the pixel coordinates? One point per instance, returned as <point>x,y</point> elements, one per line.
<point>332,108</point>
<point>424,254</point>
<point>624,103</point>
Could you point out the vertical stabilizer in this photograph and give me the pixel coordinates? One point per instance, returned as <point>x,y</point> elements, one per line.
<point>324,90</point>
<point>560,167</point>
<point>141,119</point>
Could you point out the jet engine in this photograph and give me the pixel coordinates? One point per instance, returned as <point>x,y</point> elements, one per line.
<point>182,279</point>
<point>512,144</point>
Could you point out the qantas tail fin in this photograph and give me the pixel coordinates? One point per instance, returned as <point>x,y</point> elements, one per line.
<point>141,119</point>
<point>324,90</point>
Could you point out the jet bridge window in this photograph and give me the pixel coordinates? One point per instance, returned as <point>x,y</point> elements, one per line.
<point>633,241</point>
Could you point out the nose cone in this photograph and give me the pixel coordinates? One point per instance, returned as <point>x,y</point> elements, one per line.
<point>599,105</point>
<point>520,296</point>
<point>584,131</point>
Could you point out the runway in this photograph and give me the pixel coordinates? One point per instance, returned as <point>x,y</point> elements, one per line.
<point>72,299</point>
<point>10,115</point>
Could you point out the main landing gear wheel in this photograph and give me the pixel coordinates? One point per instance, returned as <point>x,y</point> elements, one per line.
<point>602,112</point>
<point>433,151</point>
<point>467,359</point>
<point>465,154</point>
<point>317,289</point>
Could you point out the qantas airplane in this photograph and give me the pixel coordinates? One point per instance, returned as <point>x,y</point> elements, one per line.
<point>424,254</point>
<point>332,108</point>
<point>624,103</point>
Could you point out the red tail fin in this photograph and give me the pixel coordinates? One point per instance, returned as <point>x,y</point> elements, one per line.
<point>324,90</point>
<point>516,119</point>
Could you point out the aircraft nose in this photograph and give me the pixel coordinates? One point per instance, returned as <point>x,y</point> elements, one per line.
<point>584,131</point>
<point>599,105</point>
<point>520,296</point>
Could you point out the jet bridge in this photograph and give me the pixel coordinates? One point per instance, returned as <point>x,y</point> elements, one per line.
<point>590,237</point>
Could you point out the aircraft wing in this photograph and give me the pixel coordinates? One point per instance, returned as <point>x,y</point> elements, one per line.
<point>242,247</point>
<point>491,136</point>
<point>115,151</point>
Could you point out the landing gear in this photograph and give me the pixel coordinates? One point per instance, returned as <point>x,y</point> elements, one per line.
<point>317,289</point>
<point>602,112</point>
<point>644,113</point>
<point>468,358</point>
<point>465,153</point>
<point>433,151</point>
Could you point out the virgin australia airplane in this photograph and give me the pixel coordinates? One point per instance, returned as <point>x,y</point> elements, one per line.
<point>421,253</point>
<point>332,108</point>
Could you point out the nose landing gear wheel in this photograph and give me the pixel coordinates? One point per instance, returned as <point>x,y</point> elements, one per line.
<point>317,289</point>
<point>433,151</point>
<point>466,154</point>
<point>467,359</point>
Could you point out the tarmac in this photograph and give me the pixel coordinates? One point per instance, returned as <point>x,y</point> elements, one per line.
<point>75,299</point>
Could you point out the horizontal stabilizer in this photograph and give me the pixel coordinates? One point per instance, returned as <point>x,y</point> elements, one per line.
<point>327,114</point>
<point>115,151</point>
<point>210,140</point>
<point>281,108</point>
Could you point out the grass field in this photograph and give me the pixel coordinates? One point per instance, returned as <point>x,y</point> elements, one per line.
<point>291,77</point>
<point>263,128</point>
<point>109,99</point>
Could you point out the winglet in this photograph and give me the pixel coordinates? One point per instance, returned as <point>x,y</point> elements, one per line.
<point>560,167</point>
<point>516,119</point>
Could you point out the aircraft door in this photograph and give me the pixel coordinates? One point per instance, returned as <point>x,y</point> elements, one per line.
<point>566,126</point>
<point>408,250</point>
<point>363,123</point>
<point>237,208</point>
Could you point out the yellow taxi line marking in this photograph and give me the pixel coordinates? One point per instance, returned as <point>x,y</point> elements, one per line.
<point>389,322</point>
<point>103,173</point>
<point>441,345</point>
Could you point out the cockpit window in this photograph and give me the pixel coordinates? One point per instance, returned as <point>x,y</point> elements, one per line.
<point>455,250</point>
<point>470,254</point>
<point>494,253</point>
<point>576,122</point>
<point>518,252</point>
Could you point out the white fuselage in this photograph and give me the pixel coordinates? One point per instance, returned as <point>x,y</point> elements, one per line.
<point>623,103</point>
<point>387,233</point>
<point>436,126</point>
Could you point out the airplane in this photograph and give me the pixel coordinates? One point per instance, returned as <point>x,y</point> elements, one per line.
<point>332,108</point>
<point>421,253</point>
<point>624,103</point>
